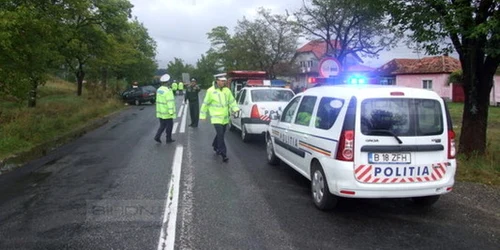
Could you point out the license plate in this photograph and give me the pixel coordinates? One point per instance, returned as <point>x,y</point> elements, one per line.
<point>389,158</point>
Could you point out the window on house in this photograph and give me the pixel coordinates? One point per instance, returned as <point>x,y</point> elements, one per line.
<point>302,64</point>
<point>391,82</point>
<point>309,64</point>
<point>427,84</point>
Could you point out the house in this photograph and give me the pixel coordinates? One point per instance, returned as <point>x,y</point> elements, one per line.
<point>309,56</point>
<point>429,73</point>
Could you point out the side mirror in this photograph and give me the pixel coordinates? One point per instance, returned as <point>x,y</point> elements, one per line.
<point>275,116</point>
<point>237,114</point>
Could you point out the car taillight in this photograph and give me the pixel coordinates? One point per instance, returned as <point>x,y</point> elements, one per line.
<point>451,145</point>
<point>255,112</point>
<point>346,146</point>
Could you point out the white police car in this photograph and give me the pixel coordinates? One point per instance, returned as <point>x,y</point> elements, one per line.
<point>256,105</point>
<point>367,142</point>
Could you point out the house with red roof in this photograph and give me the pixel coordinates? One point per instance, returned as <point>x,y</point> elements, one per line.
<point>309,56</point>
<point>428,73</point>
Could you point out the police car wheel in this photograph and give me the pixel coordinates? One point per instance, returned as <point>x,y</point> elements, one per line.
<point>271,156</point>
<point>244,134</point>
<point>425,201</point>
<point>321,195</point>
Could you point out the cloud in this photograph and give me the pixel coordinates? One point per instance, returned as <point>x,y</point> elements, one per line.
<point>180,27</point>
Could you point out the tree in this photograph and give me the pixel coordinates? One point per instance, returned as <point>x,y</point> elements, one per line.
<point>260,44</point>
<point>88,24</point>
<point>28,32</point>
<point>347,26</point>
<point>472,28</point>
<point>206,68</point>
<point>176,67</point>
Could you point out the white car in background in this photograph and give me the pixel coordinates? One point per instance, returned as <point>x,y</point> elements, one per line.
<point>256,106</point>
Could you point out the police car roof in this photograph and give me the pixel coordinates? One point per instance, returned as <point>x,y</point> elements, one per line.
<point>370,91</point>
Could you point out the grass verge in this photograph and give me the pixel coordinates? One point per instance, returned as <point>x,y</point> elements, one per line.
<point>58,111</point>
<point>482,169</point>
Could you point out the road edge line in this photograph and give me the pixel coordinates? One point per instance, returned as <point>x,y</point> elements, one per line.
<point>169,223</point>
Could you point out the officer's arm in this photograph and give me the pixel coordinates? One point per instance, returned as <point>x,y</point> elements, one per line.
<point>233,106</point>
<point>171,104</point>
<point>204,106</point>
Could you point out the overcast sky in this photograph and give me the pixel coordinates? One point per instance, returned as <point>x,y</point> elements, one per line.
<point>180,27</point>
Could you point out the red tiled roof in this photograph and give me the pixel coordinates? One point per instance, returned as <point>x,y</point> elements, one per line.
<point>426,65</point>
<point>318,47</point>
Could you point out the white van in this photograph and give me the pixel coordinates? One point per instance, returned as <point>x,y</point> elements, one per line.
<point>367,141</point>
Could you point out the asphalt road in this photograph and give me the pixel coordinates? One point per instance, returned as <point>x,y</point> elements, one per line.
<point>113,189</point>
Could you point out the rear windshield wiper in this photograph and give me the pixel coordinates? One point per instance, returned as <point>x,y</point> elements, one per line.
<point>384,132</point>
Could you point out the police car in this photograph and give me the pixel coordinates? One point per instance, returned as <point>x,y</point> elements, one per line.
<point>256,106</point>
<point>367,141</point>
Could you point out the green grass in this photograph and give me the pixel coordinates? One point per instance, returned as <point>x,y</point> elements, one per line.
<point>58,111</point>
<point>483,169</point>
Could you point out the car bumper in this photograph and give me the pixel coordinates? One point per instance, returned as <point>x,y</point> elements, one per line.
<point>255,126</point>
<point>342,182</point>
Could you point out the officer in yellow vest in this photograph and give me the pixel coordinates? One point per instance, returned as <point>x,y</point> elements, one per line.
<point>180,87</point>
<point>165,111</point>
<point>174,87</point>
<point>218,103</point>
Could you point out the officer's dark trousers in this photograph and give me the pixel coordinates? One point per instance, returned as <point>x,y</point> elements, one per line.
<point>194,112</point>
<point>165,125</point>
<point>218,143</point>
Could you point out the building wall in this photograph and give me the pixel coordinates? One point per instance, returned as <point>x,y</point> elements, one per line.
<point>495,91</point>
<point>439,84</point>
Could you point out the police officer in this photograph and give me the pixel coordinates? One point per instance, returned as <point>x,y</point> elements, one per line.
<point>174,87</point>
<point>192,91</point>
<point>218,102</point>
<point>165,111</point>
<point>180,87</point>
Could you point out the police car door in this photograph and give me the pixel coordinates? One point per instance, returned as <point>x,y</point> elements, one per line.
<point>243,104</point>
<point>299,135</point>
<point>280,132</point>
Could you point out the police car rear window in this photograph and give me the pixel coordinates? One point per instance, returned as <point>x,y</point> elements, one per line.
<point>271,95</point>
<point>401,116</point>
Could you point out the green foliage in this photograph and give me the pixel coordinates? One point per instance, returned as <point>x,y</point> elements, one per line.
<point>472,28</point>
<point>455,77</point>
<point>28,34</point>
<point>177,67</point>
<point>93,40</point>
<point>261,44</point>
<point>206,67</point>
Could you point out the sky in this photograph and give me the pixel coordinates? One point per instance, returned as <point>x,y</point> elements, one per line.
<point>180,27</point>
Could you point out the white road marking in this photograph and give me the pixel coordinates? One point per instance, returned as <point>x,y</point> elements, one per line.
<point>167,235</point>
<point>183,123</point>
<point>180,111</point>
<point>174,128</point>
<point>186,214</point>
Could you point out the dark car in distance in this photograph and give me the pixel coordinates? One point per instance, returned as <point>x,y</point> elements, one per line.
<point>140,95</point>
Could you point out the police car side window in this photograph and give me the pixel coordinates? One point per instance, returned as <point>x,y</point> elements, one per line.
<point>238,96</point>
<point>304,114</point>
<point>328,111</point>
<point>290,109</point>
<point>243,95</point>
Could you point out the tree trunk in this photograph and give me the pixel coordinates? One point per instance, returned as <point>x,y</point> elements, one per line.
<point>478,81</point>
<point>32,95</point>
<point>80,75</point>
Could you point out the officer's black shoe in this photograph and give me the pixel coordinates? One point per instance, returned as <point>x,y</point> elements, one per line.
<point>224,158</point>
<point>170,141</point>
<point>158,140</point>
